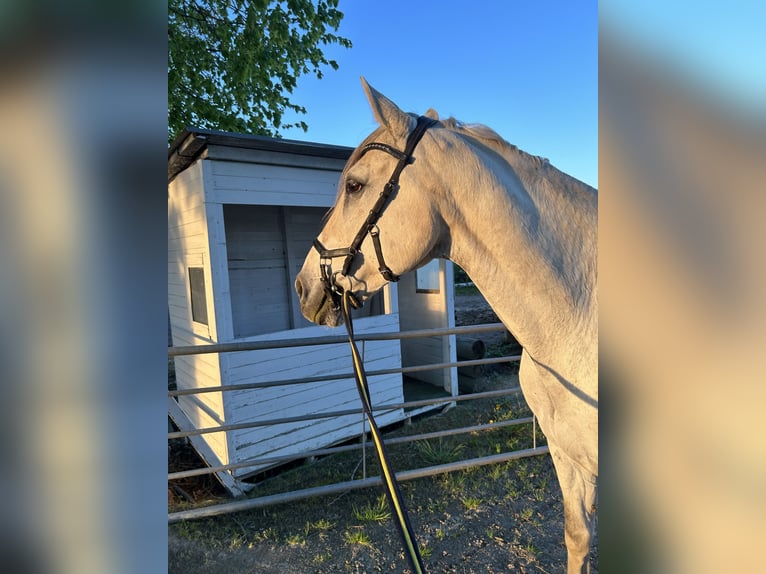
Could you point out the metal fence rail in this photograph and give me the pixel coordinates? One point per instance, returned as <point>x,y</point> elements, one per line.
<point>353,484</point>
<point>332,414</point>
<point>333,377</point>
<point>262,501</point>
<point>333,340</point>
<point>348,447</point>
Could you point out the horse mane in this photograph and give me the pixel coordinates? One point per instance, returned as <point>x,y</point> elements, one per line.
<point>491,138</point>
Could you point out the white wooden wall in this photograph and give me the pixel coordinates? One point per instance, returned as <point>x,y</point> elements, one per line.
<point>308,398</point>
<point>421,310</point>
<point>246,183</point>
<point>188,246</point>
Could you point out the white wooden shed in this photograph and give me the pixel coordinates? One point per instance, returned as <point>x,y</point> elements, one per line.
<point>242,212</point>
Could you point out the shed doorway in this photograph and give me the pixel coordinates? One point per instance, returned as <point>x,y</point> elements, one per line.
<point>265,249</point>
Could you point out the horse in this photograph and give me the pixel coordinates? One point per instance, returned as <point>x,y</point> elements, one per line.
<point>526,234</point>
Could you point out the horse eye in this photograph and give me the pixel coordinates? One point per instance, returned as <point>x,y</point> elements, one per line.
<point>353,186</point>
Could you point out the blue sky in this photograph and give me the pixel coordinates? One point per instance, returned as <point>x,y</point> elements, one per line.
<point>526,69</point>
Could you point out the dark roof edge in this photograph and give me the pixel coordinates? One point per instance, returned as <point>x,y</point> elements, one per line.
<point>191,142</point>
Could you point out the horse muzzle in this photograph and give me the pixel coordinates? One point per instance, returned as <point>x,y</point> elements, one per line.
<point>321,300</point>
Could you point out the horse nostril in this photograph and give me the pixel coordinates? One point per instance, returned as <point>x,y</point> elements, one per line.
<point>299,288</point>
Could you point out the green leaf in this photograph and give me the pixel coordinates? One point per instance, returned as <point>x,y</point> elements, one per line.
<point>233,64</point>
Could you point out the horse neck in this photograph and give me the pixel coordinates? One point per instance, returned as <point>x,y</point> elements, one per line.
<point>526,235</point>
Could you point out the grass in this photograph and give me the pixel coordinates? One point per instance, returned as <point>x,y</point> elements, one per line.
<point>297,539</point>
<point>453,484</point>
<point>531,549</point>
<point>269,533</point>
<point>357,538</point>
<point>504,350</point>
<point>441,452</point>
<point>322,524</point>
<point>467,290</point>
<point>374,511</point>
<point>321,558</point>
<point>526,513</point>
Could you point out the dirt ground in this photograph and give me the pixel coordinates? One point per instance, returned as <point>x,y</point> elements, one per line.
<point>501,518</point>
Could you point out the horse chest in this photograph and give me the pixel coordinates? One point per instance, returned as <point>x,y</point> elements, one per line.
<point>567,418</point>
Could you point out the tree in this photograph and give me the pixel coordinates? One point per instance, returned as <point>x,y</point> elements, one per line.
<point>232,64</point>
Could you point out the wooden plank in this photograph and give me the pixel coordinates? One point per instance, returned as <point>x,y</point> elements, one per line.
<point>219,311</point>
<point>207,454</point>
<point>275,151</point>
<point>264,179</point>
<point>193,210</point>
<point>293,438</point>
<point>299,436</point>
<point>293,363</point>
<point>319,434</point>
<point>187,237</point>
<point>253,173</point>
<point>294,395</point>
<point>192,372</point>
<point>307,398</point>
<point>447,279</point>
<point>317,198</point>
<point>289,255</point>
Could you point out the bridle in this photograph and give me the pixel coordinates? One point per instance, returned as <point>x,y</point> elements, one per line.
<point>369,227</point>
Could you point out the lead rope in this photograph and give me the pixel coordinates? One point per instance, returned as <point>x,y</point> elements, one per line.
<point>395,502</point>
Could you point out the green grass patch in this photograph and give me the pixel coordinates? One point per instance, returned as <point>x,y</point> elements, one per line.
<point>298,539</point>
<point>467,290</point>
<point>439,452</point>
<point>373,512</point>
<point>357,538</point>
<point>321,525</point>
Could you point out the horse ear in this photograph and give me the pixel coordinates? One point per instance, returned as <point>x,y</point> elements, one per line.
<point>432,113</point>
<point>387,113</point>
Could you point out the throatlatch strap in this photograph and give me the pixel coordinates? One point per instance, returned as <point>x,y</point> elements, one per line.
<point>384,269</point>
<point>393,494</point>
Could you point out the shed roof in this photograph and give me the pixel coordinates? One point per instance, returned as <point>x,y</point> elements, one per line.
<point>193,142</point>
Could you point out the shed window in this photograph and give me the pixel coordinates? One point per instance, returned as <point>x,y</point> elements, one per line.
<point>427,277</point>
<point>198,298</point>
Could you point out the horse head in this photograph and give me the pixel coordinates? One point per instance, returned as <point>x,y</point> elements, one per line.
<point>385,221</point>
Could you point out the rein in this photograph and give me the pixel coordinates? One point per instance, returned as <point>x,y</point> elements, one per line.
<point>344,299</point>
<point>370,227</point>
<point>393,493</point>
